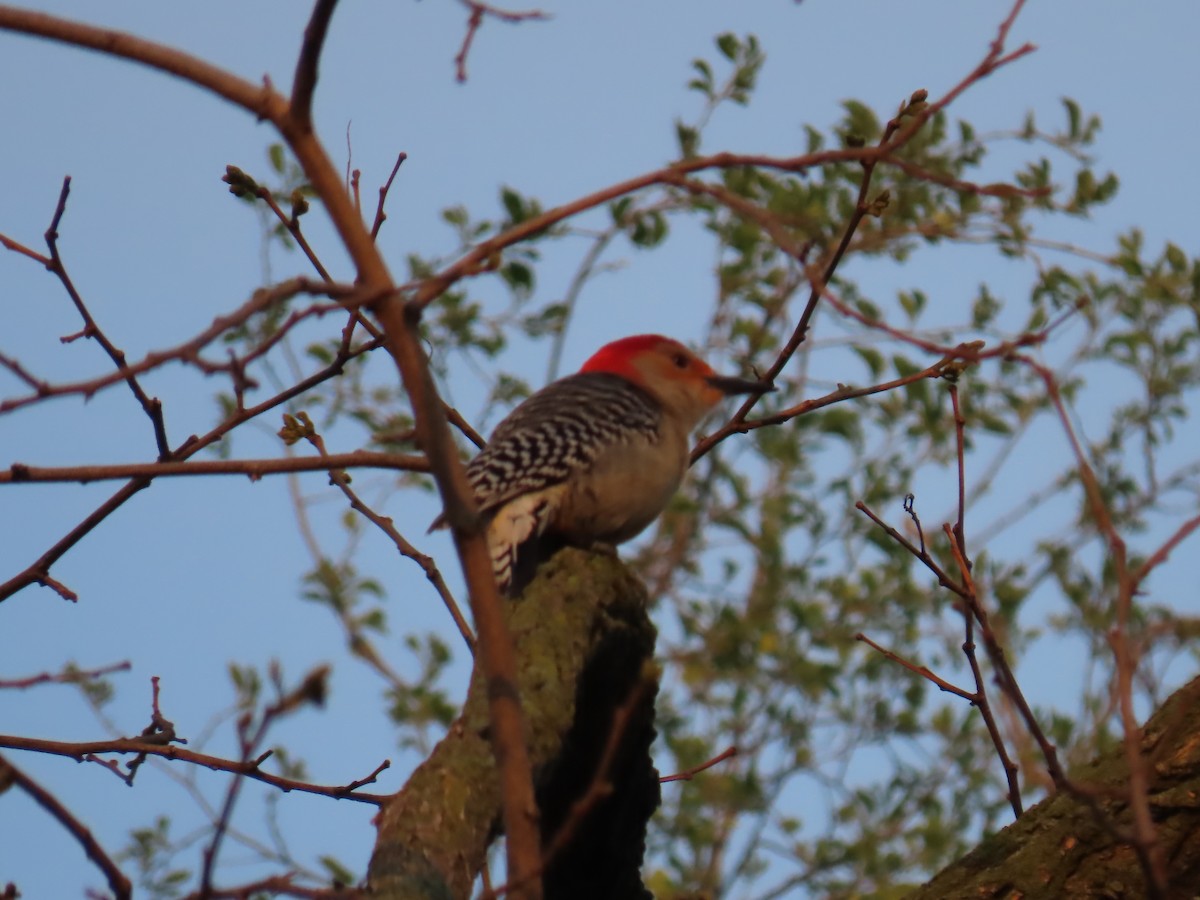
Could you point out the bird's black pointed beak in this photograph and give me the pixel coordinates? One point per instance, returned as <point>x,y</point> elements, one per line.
<point>731,386</point>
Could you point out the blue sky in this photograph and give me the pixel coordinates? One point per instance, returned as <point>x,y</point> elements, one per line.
<point>193,574</point>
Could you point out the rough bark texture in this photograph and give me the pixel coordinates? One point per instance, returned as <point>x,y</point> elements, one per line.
<point>1061,848</point>
<point>584,644</point>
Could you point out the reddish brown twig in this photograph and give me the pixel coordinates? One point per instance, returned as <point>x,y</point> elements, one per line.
<point>69,675</point>
<point>311,690</point>
<point>689,774</point>
<point>304,82</point>
<point>1144,837</point>
<point>38,572</point>
<point>81,750</point>
<point>190,350</point>
<point>924,671</point>
<point>254,469</point>
<point>478,11</point>
<point>120,885</point>
<point>388,527</point>
<point>1159,556</point>
<point>292,224</point>
<point>17,247</point>
<point>380,215</point>
<point>819,278</point>
<point>980,698</point>
<point>276,886</point>
<point>150,405</point>
<point>744,426</point>
<point>41,388</point>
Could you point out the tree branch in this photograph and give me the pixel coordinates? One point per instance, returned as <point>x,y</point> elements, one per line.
<point>254,469</point>
<point>305,81</point>
<point>120,885</point>
<point>80,751</point>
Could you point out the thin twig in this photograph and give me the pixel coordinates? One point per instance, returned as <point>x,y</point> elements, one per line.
<point>69,675</point>
<point>960,453</point>
<point>120,885</point>
<point>475,20</point>
<point>380,215</point>
<point>17,247</point>
<point>689,774</point>
<point>41,388</point>
<point>80,750</point>
<point>744,426</point>
<point>38,572</point>
<point>310,691</point>
<point>1011,771</point>
<point>152,406</point>
<point>189,351</point>
<point>1159,556</point>
<point>388,527</point>
<point>254,469</point>
<point>924,671</point>
<point>292,224</point>
<point>305,81</point>
<point>1144,839</point>
<point>999,660</point>
<point>972,610</point>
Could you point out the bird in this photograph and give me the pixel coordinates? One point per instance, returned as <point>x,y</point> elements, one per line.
<point>592,459</point>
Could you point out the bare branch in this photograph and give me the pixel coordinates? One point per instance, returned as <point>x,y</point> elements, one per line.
<point>38,572</point>
<point>385,524</point>
<point>17,247</point>
<point>733,426</point>
<point>70,675</point>
<point>254,469</point>
<point>380,215</point>
<point>478,11</point>
<point>305,81</point>
<point>924,671</point>
<point>262,101</point>
<point>1144,839</point>
<point>151,406</point>
<point>121,887</point>
<point>189,351</point>
<point>1160,555</point>
<point>689,774</point>
<point>81,750</point>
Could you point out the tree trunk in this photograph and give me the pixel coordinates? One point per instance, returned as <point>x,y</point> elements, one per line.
<point>585,651</point>
<point>1065,848</point>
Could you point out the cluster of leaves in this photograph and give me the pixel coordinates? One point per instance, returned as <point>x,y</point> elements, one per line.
<point>852,775</point>
<point>895,779</point>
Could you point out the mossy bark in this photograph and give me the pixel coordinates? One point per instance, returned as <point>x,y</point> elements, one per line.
<point>1063,848</point>
<point>584,645</point>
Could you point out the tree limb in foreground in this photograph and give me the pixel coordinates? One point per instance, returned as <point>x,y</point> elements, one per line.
<point>585,675</point>
<point>1067,846</point>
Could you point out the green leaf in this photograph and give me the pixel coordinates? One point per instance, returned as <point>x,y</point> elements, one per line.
<point>872,357</point>
<point>649,229</point>
<point>912,302</point>
<point>1176,259</point>
<point>514,205</point>
<point>688,138</point>
<point>277,156</point>
<point>1074,117</point>
<point>519,277</point>
<point>338,873</point>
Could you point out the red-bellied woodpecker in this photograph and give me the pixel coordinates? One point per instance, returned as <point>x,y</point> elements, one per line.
<point>593,458</point>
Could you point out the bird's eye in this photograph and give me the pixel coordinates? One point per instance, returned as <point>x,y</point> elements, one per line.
<point>681,361</point>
